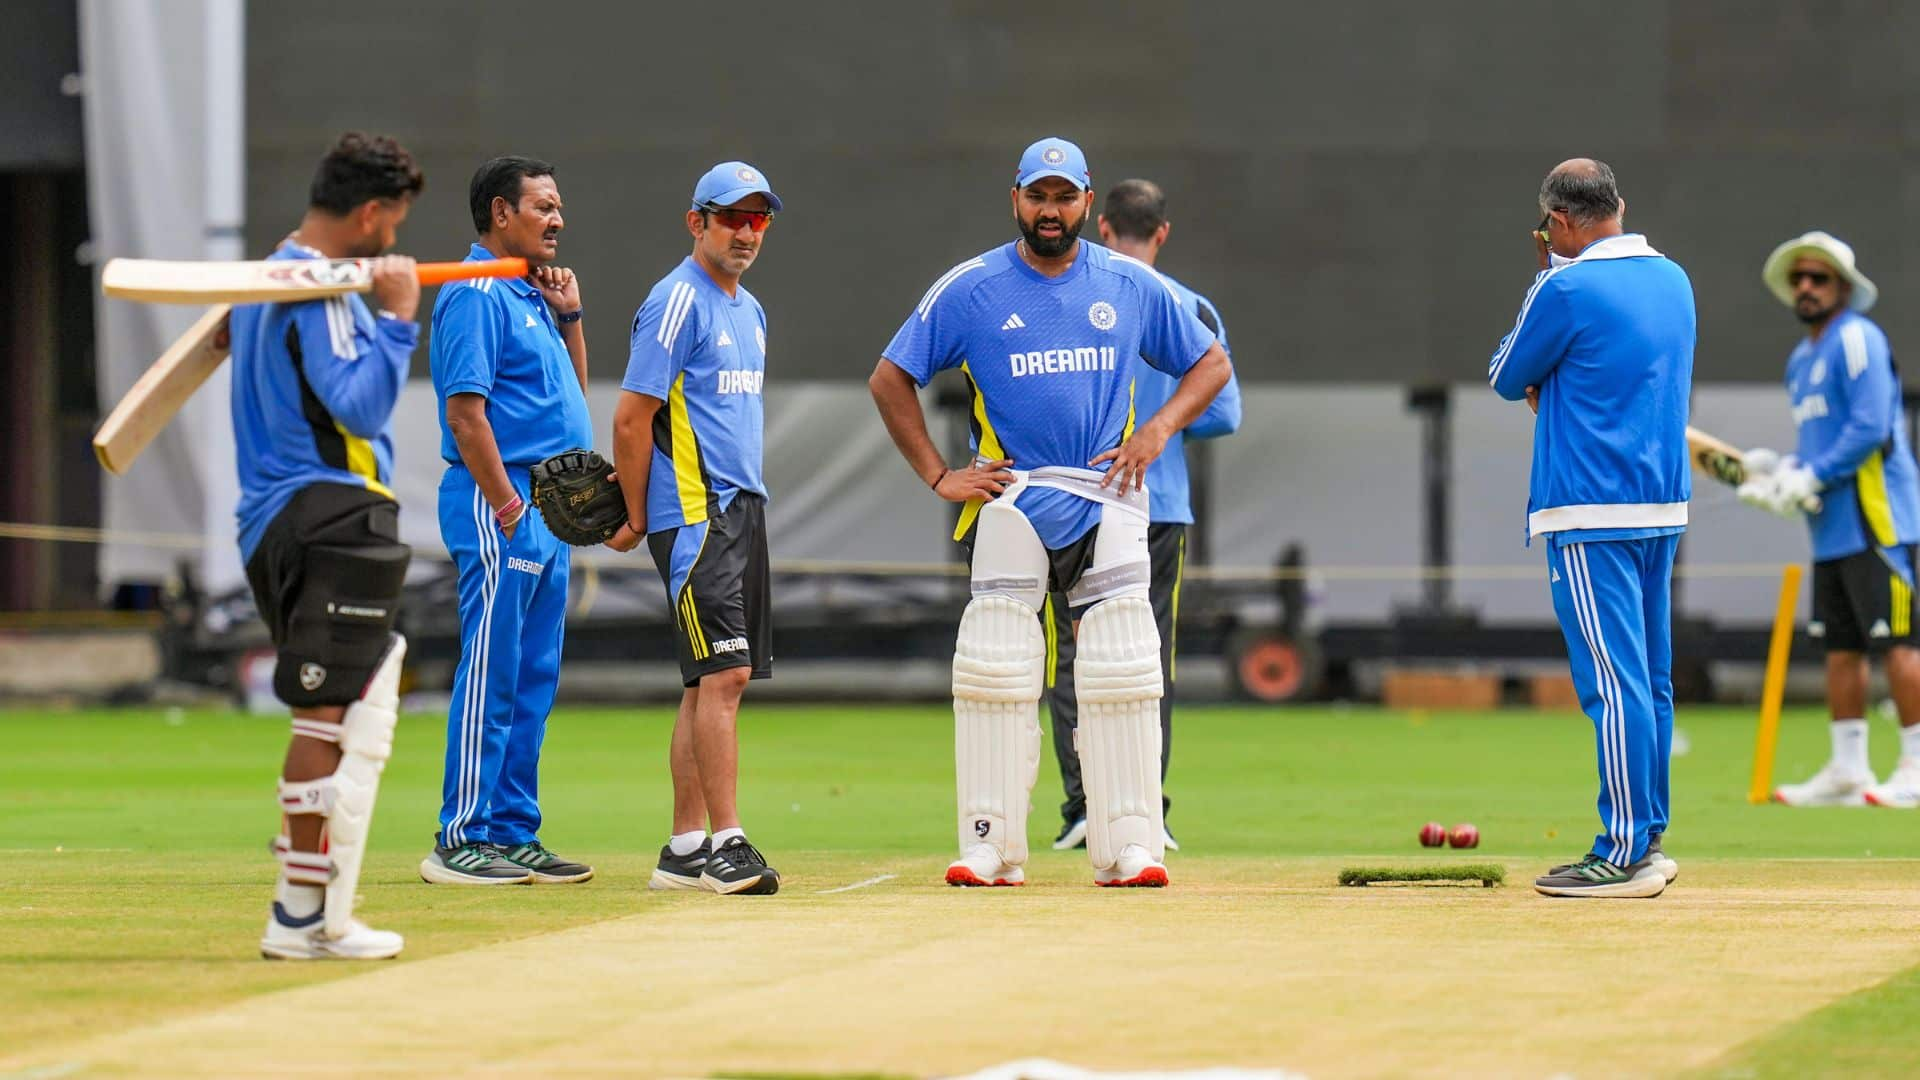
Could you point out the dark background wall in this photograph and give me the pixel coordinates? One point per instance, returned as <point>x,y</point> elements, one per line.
<point>1351,181</point>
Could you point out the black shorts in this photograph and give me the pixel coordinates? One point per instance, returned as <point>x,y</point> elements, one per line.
<point>1862,603</point>
<point>326,579</point>
<point>718,581</point>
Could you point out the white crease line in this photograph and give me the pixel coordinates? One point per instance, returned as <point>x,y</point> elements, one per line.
<point>64,850</point>
<point>858,884</point>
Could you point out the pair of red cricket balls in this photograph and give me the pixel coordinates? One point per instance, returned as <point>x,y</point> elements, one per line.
<point>1434,834</point>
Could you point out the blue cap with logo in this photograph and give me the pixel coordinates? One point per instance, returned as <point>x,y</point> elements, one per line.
<point>1053,157</point>
<point>729,182</point>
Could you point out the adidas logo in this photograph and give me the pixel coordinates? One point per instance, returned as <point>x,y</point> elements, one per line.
<point>1556,577</point>
<point>530,323</point>
<point>1879,629</point>
<point>724,339</point>
<point>1014,322</point>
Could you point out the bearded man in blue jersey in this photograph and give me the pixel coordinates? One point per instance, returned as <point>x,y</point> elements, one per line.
<point>1050,331</point>
<point>1603,351</point>
<point>314,385</point>
<point>1853,457</point>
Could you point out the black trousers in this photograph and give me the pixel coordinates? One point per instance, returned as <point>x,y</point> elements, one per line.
<point>1167,548</point>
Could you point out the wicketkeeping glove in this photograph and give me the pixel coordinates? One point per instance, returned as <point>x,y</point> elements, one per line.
<point>577,496</point>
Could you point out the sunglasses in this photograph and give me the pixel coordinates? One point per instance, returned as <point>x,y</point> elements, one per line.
<point>1817,278</point>
<point>734,218</point>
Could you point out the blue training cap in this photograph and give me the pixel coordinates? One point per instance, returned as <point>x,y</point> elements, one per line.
<point>1053,157</point>
<point>729,182</point>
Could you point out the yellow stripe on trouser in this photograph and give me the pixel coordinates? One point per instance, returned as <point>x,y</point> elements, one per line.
<point>1053,638</point>
<point>1871,485</point>
<point>362,463</point>
<point>989,449</point>
<point>1173,623</point>
<point>1902,607</point>
<point>686,455</point>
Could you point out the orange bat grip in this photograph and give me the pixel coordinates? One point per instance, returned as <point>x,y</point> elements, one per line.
<point>441,273</point>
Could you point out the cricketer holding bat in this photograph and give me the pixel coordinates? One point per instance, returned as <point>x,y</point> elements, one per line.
<point>1853,452</point>
<point>509,364</point>
<point>687,438</point>
<point>1603,350</point>
<point>314,385</point>
<point>1049,331</point>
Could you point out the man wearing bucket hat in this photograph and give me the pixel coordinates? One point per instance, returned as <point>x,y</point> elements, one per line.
<point>687,434</point>
<point>1854,455</point>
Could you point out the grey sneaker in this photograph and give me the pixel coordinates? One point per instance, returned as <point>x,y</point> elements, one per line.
<point>1668,868</point>
<point>1595,876</point>
<point>680,871</point>
<point>472,864</point>
<point>545,865</point>
<point>1658,857</point>
<point>1073,834</point>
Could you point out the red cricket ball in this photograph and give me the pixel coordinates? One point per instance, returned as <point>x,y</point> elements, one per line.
<point>1433,834</point>
<point>1464,836</point>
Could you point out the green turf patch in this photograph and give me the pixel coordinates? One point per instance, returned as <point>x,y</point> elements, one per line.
<point>1485,874</point>
<point>1869,1033</point>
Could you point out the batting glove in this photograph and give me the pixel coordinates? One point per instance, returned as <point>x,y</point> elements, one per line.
<point>1759,461</point>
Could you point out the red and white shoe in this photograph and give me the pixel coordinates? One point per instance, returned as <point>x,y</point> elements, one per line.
<point>1902,789</point>
<point>1135,868</point>
<point>981,865</point>
<point>1833,785</point>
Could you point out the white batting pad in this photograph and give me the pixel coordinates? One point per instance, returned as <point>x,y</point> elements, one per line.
<point>366,741</point>
<point>999,670</point>
<point>1116,673</point>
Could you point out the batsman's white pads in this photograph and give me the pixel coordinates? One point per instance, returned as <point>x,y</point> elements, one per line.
<point>999,670</point>
<point>366,741</point>
<point>1116,673</point>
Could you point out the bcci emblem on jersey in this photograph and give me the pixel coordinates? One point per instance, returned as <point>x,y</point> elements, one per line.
<point>1102,315</point>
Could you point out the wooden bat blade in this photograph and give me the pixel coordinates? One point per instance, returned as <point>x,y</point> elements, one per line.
<point>161,281</point>
<point>1726,463</point>
<point>162,390</point>
<point>1715,457</point>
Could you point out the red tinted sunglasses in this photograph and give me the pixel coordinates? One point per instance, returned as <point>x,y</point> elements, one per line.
<point>733,218</point>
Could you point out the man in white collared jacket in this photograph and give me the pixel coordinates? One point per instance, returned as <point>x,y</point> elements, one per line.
<point>1603,351</point>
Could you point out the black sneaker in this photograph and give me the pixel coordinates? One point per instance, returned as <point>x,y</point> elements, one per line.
<point>738,867</point>
<point>472,864</point>
<point>680,871</point>
<point>1595,876</point>
<point>1073,834</point>
<point>545,865</point>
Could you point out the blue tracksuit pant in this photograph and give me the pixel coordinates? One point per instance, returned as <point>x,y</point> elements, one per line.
<point>1614,599</point>
<point>513,606</point>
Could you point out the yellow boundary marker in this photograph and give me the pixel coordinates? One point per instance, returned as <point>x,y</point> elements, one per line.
<point>1775,686</point>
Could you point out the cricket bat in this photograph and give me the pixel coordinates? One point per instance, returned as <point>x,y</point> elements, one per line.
<point>163,390</point>
<point>161,282</point>
<point>1722,461</point>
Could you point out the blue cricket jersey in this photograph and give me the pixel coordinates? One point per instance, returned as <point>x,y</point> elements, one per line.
<point>1608,338</point>
<point>496,337</point>
<point>1168,490</point>
<point>703,354</point>
<point>1051,362</point>
<point>1846,405</point>
<point>314,385</point>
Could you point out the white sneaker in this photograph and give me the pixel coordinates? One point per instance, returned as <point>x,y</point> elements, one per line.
<point>1134,868</point>
<point>303,939</point>
<point>1902,789</point>
<point>981,865</point>
<point>1831,786</point>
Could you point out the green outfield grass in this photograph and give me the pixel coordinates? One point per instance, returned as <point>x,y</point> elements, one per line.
<point>134,872</point>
